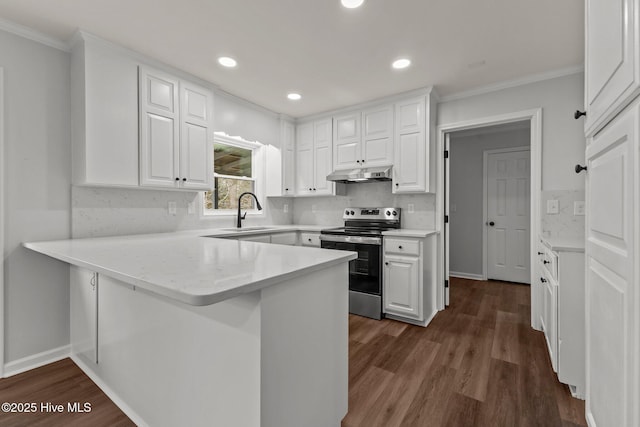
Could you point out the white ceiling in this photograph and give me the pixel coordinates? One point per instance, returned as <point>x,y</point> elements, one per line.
<point>333,56</point>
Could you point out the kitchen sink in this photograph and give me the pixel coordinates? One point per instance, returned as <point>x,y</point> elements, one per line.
<point>246,229</point>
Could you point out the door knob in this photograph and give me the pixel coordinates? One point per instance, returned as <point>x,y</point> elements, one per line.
<point>579,114</point>
<point>580,168</point>
<point>491,223</point>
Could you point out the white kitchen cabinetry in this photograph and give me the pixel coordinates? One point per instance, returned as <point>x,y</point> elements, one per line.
<point>612,69</point>
<point>613,272</point>
<point>280,163</point>
<point>562,316</point>
<point>310,239</point>
<point>289,238</point>
<point>363,138</point>
<point>175,132</point>
<point>313,159</point>
<point>104,108</point>
<point>414,145</point>
<point>84,314</point>
<point>409,279</point>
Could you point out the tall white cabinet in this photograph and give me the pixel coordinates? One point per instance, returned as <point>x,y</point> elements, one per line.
<point>613,207</point>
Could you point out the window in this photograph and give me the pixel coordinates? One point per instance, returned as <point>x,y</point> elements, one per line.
<point>234,171</point>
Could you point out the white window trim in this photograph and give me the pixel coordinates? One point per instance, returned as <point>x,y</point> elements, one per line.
<point>258,172</point>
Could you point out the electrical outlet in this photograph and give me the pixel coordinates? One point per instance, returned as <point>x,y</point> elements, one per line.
<point>172,208</point>
<point>411,208</point>
<point>191,208</point>
<point>286,208</point>
<point>578,208</point>
<point>552,207</point>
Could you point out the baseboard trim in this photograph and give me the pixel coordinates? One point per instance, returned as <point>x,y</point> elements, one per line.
<point>466,275</point>
<point>37,360</point>
<point>111,394</point>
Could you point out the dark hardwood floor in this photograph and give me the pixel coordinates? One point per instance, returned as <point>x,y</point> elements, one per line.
<point>478,363</point>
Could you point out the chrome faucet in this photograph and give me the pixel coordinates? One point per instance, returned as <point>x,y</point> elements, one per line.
<point>240,216</point>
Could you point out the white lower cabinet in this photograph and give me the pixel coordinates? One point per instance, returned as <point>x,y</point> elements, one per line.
<point>402,291</point>
<point>262,238</point>
<point>84,314</point>
<point>290,238</point>
<point>563,313</point>
<point>310,239</point>
<point>409,278</point>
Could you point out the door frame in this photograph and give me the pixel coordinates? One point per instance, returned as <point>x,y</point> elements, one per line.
<point>534,116</point>
<point>2,182</point>
<point>485,205</point>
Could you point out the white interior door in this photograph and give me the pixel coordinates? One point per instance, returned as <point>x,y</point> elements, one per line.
<point>508,221</point>
<point>612,377</point>
<point>447,146</point>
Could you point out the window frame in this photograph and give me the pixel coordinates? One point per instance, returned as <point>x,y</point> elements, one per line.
<point>257,174</point>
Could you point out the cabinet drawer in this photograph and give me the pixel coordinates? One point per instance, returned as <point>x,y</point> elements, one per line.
<point>310,239</point>
<point>402,246</point>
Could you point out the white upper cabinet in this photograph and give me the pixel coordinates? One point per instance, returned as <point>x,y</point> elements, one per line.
<point>410,166</point>
<point>346,141</point>
<point>175,132</point>
<point>612,71</point>
<point>104,106</point>
<point>313,158</point>
<point>363,138</point>
<point>281,161</point>
<point>135,126</point>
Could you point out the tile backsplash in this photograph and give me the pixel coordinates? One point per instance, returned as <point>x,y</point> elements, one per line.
<point>99,212</point>
<point>328,210</point>
<point>564,223</point>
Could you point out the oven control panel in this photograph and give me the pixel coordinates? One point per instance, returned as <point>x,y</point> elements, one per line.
<point>372,213</point>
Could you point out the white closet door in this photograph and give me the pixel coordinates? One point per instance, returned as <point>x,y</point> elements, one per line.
<point>612,287</point>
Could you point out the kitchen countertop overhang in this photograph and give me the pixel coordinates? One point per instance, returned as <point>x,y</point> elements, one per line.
<point>190,268</point>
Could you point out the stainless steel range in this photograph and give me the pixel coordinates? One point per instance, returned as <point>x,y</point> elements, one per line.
<point>362,233</point>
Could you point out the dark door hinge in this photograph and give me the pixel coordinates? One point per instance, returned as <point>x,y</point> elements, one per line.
<point>446,154</point>
<point>446,283</point>
<point>446,219</point>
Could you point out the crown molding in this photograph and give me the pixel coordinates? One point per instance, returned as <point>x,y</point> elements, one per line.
<point>34,35</point>
<point>533,78</point>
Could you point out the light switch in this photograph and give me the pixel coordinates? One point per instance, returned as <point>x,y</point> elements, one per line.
<point>578,208</point>
<point>411,208</point>
<point>314,208</point>
<point>552,206</point>
<point>286,208</point>
<point>172,208</point>
<point>191,208</point>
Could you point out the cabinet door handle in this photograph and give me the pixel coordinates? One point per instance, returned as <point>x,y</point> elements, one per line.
<point>184,179</point>
<point>362,161</point>
<point>399,246</point>
<point>177,179</point>
<point>386,263</point>
<point>580,168</point>
<point>540,253</point>
<point>546,262</point>
<point>357,161</point>
<point>397,184</point>
<point>543,280</point>
<point>309,239</point>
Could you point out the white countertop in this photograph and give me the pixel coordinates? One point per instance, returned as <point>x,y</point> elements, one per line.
<point>566,244</point>
<point>192,269</point>
<point>407,232</point>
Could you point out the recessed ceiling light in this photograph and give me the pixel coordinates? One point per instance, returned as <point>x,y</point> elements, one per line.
<point>399,64</point>
<point>225,61</point>
<point>352,4</point>
<point>294,96</point>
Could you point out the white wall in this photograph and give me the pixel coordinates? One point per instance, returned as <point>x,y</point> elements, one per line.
<point>563,142</point>
<point>37,194</point>
<point>465,201</point>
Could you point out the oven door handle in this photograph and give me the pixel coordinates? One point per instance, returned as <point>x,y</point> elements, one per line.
<point>352,239</point>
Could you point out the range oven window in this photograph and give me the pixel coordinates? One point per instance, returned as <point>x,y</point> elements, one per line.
<point>365,271</point>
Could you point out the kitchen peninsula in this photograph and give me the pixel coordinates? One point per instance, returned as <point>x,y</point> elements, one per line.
<point>181,329</point>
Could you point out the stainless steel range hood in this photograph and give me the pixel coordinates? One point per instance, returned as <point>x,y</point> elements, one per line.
<point>382,173</point>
